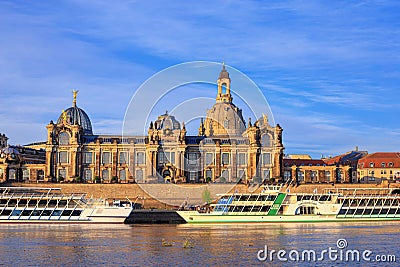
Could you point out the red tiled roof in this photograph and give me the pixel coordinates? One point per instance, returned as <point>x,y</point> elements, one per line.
<point>334,160</point>
<point>381,157</point>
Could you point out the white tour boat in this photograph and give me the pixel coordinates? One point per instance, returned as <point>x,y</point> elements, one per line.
<point>333,205</point>
<point>49,205</point>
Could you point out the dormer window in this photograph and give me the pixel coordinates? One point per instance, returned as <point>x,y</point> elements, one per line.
<point>371,164</point>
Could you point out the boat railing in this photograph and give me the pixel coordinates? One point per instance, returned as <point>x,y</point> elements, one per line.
<point>36,192</point>
<point>355,192</point>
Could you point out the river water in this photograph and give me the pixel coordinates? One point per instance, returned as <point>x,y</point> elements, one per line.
<point>207,245</point>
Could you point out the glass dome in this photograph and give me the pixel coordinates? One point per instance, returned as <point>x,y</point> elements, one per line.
<point>75,115</point>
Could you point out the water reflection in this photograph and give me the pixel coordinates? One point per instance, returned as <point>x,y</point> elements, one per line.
<point>213,244</point>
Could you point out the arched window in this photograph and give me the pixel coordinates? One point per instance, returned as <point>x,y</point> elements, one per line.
<point>63,138</point>
<point>223,91</point>
<point>265,140</point>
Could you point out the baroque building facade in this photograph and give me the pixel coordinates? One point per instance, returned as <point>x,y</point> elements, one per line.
<point>225,149</point>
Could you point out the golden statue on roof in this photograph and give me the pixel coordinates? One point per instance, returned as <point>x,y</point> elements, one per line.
<point>64,115</point>
<point>75,93</point>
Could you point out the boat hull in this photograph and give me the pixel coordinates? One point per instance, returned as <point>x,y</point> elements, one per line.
<point>196,217</point>
<point>98,215</point>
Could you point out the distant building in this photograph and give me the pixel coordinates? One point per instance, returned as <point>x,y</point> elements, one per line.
<point>380,165</point>
<point>350,159</point>
<point>3,140</point>
<point>298,156</point>
<point>314,171</point>
<point>225,150</point>
<point>301,168</point>
<point>19,164</point>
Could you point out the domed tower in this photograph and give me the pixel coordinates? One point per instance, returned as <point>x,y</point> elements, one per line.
<point>76,116</point>
<point>224,118</point>
<point>65,142</point>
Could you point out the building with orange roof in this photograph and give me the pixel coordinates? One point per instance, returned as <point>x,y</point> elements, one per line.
<point>379,165</point>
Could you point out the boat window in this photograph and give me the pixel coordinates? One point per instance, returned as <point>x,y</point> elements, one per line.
<point>262,198</point>
<point>16,212</point>
<point>46,213</point>
<point>32,203</point>
<point>299,198</point>
<point>22,202</point>
<point>307,197</point>
<point>247,208</point>
<point>52,203</point>
<point>376,211</point>
<point>342,211</point>
<point>62,203</point>
<point>36,213</point>
<point>76,213</point>
<point>351,211</point>
<point>280,211</point>
<point>323,198</point>
<point>6,212</point>
<point>66,213</point>
<point>265,208</point>
<point>359,211</point>
<point>384,211</point>
<point>238,209</point>
<point>253,197</point>
<point>370,202</point>
<point>256,209</point>
<point>367,211</point>
<point>56,213</point>
<point>12,202</point>
<point>26,213</point>
<point>231,208</point>
<point>3,201</point>
<point>387,202</point>
<point>353,203</point>
<point>379,202</point>
<point>363,202</point>
<point>346,203</point>
<point>42,203</point>
<point>392,211</point>
<point>395,202</point>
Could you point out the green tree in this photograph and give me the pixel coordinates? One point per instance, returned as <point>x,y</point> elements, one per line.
<point>206,196</point>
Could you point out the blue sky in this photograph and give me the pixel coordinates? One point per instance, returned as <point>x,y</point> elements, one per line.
<point>330,70</point>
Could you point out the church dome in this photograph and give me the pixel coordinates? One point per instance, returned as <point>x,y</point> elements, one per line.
<point>76,116</point>
<point>224,119</point>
